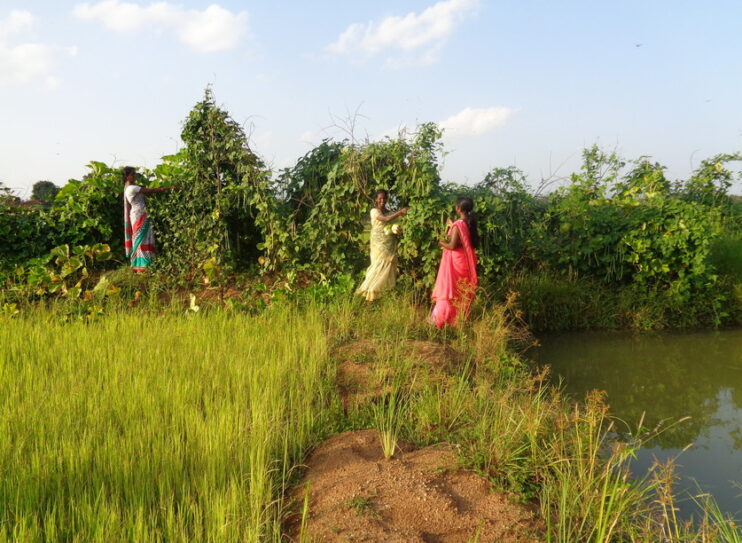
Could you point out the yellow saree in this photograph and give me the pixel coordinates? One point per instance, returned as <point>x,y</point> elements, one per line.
<point>381,275</point>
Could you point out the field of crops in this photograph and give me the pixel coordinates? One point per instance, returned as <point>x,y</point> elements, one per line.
<point>151,428</point>
<point>158,426</point>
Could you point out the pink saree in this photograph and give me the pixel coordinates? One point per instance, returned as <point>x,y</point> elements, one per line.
<point>456,281</point>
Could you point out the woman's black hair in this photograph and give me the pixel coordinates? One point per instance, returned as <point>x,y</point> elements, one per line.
<point>466,205</point>
<point>381,191</point>
<point>127,171</point>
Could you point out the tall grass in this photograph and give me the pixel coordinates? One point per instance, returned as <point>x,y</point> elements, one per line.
<point>156,428</point>
<point>145,427</point>
<point>513,426</point>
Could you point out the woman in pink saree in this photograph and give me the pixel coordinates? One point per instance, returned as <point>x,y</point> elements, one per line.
<point>457,274</point>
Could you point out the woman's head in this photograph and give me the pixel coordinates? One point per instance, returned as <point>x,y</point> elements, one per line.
<point>465,204</point>
<point>128,174</point>
<point>465,208</point>
<point>380,197</point>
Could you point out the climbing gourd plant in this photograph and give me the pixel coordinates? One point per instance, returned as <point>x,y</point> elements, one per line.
<point>85,211</point>
<point>221,209</point>
<point>612,221</point>
<point>323,202</point>
<point>507,213</point>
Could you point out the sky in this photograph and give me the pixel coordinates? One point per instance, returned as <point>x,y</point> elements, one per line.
<point>528,83</point>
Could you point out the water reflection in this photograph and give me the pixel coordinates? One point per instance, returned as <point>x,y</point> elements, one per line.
<point>667,377</point>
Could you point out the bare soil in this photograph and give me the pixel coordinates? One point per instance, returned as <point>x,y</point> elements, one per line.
<point>355,495</point>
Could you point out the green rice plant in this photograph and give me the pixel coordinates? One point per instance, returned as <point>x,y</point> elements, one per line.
<point>303,537</point>
<point>388,415</point>
<point>508,425</point>
<point>142,427</point>
<point>439,409</point>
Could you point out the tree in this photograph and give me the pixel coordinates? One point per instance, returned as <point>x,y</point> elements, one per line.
<point>45,191</point>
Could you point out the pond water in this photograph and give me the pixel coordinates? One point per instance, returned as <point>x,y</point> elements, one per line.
<point>667,377</point>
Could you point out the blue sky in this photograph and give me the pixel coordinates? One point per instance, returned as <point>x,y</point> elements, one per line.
<point>525,83</point>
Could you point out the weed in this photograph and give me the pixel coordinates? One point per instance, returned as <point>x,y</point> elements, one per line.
<point>363,505</point>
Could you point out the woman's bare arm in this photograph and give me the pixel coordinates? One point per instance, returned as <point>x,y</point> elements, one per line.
<point>392,216</point>
<point>452,243</point>
<point>146,190</point>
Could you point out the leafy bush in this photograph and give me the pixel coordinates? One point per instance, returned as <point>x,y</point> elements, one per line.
<point>322,212</point>
<point>26,232</point>
<point>85,212</point>
<point>90,210</point>
<point>615,223</point>
<point>220,210</point>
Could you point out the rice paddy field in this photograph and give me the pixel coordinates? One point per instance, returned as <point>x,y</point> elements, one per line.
<point>152,428</point>
<point>158,426</point>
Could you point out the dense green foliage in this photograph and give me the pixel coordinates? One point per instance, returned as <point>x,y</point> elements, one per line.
<point>324,203</point>
<point>612,225</point>
<point>86,211</point>
<point>218,210</point>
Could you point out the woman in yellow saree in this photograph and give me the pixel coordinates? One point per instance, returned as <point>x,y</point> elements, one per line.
<point>381,275</point>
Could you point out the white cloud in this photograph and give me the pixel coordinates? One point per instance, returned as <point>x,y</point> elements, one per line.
<point>417,37</point>
<point>473,122</point>
<point>17,21</point>
<point>52,82</point>
<point>22,63</point>
<point>212,29</point>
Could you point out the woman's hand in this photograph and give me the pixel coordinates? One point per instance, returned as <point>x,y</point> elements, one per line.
<point>453,242</point>
<point>449,223</point>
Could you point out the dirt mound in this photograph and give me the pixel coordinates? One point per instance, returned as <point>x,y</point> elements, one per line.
<point>435,355</point>
<point>357,378</point>
<point>418,496</point>
<point>360,377</point>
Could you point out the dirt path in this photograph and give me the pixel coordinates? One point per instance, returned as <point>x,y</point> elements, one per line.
<point>418,496</point>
